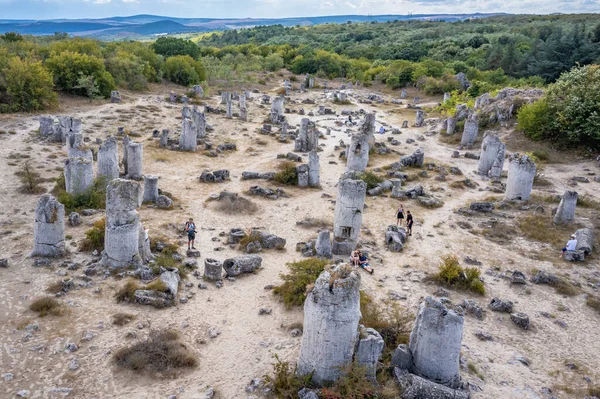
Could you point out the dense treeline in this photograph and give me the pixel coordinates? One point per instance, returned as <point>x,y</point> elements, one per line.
<point>523,46</point>
<point>32,68</point>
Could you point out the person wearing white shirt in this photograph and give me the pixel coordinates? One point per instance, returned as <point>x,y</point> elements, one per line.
<point>571,245</point>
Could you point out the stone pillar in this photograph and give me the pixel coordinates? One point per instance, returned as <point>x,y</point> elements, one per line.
<point>311,82</point>
<point>492,149</point>
<point>302,172</point>
<point>314,179</point>
<point>403,94</point>
<point>126,141</point>
<point>585,240</point>
<point>47,127</point>
<point>229,109</point>
<point>470,132</point>
<point>565,213</point>
<point>331,315</point>
<point>496,172</point>
<point>198,91</point>
<point>108,160</point>
<point>308,137</point>
<point>188,139</point>
<point>287,87</point>
<point>357,153</point>
<point>200,121</point>
<point>368,351</point>
<point>213,270</point>
<point>115,96</point>
<point>150,188</point>
<point>172,97</point>
<point>284,127</point>
<point>419,118</point>
<point>243,108</point>
<point>135,159</point>
<point>224,97</point>
<point>521,173</point>
<point>186,112</point>
<point>277,110</point>
<point>347,220</point>
<point>323,245</point>
<point>49,228</point>
<point>79,175</point>
<point>144,249</point>
<point>76,148</point>
<point>122,234</point>
<point>367,128</point>
<point>435,343</point>
<point>447,98</point>
<point>451,125</point>
<point>164,139</point>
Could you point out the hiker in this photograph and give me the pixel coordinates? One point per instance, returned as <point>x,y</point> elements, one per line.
<point>571,245</point>
<point>409,222</point>
<point>400,216</point>
<point>190,228</point>
<point>350,119</point>
<point>381,130</point>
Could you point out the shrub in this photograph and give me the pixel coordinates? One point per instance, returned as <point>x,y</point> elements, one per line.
<point>162,352</point>
<point>287,174</point>
<point>120,319</point>
<point>353,384</point>
<point>184,70</point>
<point>173,46</point>
<point>30,179</point>
<point>533,119</point>
<point>46,305</point>
<point>393,323</point>
<point>94,198</point>
<point>94,237</point>
<point>167,247</point>
<point>452,274</point>
<point>67,67</point>
<point>302,274</point>
<point>126,293</point>
<point>370,178</point>
<point>284,382</point>
<point>273,62</point>
<point>28,86</point>
<point>593,302</point>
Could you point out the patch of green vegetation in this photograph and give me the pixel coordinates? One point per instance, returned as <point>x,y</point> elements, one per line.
<point>452,274</point>
<point>94,237</point>
<point>301,277</point>
<point>370,178</point>
<point>287,174</point>
<point>94,198</point>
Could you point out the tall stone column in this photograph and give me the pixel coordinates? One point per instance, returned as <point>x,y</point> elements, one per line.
<point>243,108</point>
<point>164,138</point>
<point>79,175</point>
<point>451,125</point>
<point>108,160</point>
<point>357,153</point>
<point>150,188</point>
<point>49,228</point>
<point>521,173</point>
<point>492,149</point>
<point>126,141</point>
<point>367,128</point>
<point>314,179</point>
<point>200,121</point>
<point>277,110</point>
<point>470,131</point>
<point>135,159</point>
<point>308,137</point>
<point>122,235</point>
<point>229,109</point>
<point>347,220</point>
<point>419,118</point>
<point>331,315</point>
<point>565,213</point>
<point>188,140</point>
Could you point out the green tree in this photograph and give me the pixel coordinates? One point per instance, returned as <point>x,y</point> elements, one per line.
<point>67,67</point>
<point>172,46</point>
<point>28,86</point>
<point>11,37</point>
<point>184,70</point>
<point>273,62</point>
<point>88,83</point>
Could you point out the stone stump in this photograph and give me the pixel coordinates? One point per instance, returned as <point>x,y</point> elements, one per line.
<point>79,175</point>
<point>135,157</point>
<point>150,188</point>
<point>314,179</point>
<point>115,96</point>
<point>470,132</point>
<point>492,149</point>
<point>419,118</point>
<point>323,245</point>
<point>450,125</point>
<point>521,173</point>
<point>164,139</point>
<point>565,213</point>
<point>108,160</point>
<point>49,228</point>
<point>302,172</point>
<point>213,269</point>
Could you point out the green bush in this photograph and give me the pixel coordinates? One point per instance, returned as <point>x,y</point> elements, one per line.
<point>353,384</point>
<point>534,119</point>
<point>94,198</point>
<point>287,174</point>
<point>370,178</point>
<point>184,70</point>
<point>67,67</point>
<point>173,46</point>
<point>94,237</point>
<point>452,274</point>
<point>302,274</point>
<point>28,86</point>
<point>284,382</point>
<point>273,62</point>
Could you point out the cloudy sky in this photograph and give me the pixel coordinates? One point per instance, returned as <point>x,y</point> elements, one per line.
<point>43,9</point>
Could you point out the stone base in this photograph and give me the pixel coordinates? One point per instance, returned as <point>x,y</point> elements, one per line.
<point>414,387</point>
<point>575,256</point>
<point>343,247</point>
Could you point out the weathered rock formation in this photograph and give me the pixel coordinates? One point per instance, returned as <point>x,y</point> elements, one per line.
<point>49,228</point>
<point>565,213</point>
<point>308,137</point>
<point>348,215</point>
<point>108,160</point>
<point>79,175</point>
<point>491,159</point>
<point>150,188</point>
<point>521,173</point>
<point>470,131</point>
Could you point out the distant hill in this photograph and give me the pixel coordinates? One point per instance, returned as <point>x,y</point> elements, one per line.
<point>148,25</point>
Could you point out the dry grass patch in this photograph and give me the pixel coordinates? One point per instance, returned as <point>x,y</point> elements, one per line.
<point>46,305</point>
<point>121,319</point>
<point>593,302</point>
<point>162,352</point>
<point>542,228</point>
<point>236,205</point>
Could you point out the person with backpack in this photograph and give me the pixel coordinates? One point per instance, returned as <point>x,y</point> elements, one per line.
<point>190,228</point>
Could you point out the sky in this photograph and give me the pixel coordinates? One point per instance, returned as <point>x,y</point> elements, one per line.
<point>52,9</point>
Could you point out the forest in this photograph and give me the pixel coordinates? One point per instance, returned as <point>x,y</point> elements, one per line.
<point>517,51</point>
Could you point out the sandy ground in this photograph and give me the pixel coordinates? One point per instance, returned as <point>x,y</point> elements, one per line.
<point>248,342</point>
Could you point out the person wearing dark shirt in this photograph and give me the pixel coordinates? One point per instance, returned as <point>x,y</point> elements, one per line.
<point>190,228</point>
<point>409,222</point>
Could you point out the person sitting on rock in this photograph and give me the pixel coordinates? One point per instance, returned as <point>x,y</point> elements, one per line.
<point>190,228</point>
<point>381,130</point>
<point>571,245</point>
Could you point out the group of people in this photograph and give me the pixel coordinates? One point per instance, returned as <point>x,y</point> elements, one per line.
<point>400,219</point>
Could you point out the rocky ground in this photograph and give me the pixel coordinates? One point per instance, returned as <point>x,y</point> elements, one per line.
<point>557,356</point>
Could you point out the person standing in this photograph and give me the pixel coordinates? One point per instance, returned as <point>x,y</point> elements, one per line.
<point>409,222</point>
<point>400,216</point>
<point>190,228</point>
